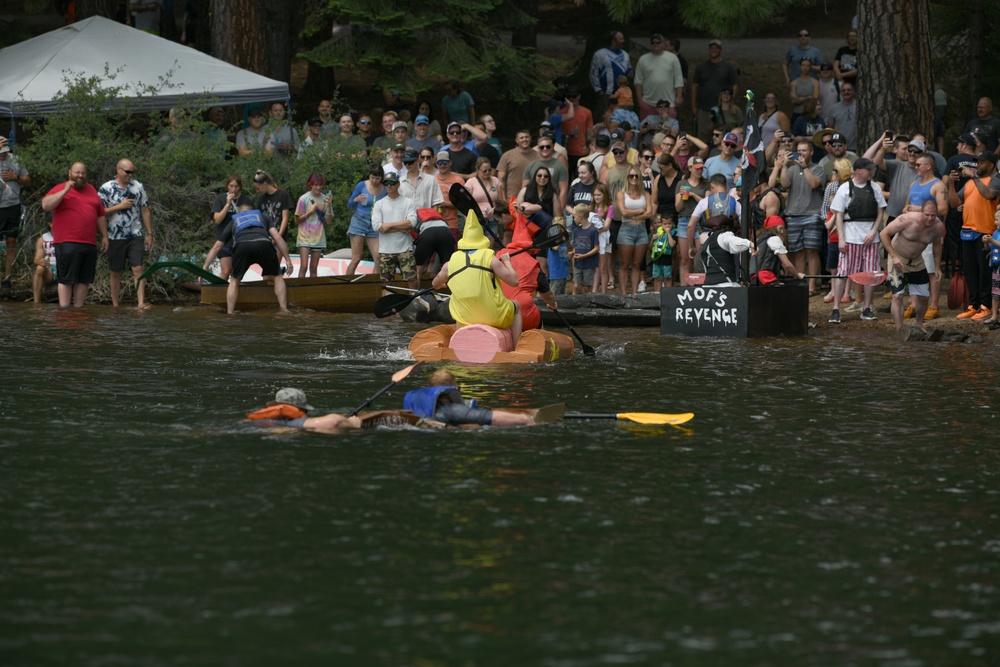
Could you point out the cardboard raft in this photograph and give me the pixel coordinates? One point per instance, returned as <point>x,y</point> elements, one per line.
<point>481,344</point>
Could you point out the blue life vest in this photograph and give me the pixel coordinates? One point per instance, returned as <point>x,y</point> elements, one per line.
<point>720,203</point>
<point>995,251</point>
<point>246,219</point>
<point>423,401</point>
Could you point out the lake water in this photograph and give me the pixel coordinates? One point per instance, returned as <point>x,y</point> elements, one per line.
<point>834,502</point>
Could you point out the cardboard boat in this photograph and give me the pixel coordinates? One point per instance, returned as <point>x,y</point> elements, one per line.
<point>481,344</point>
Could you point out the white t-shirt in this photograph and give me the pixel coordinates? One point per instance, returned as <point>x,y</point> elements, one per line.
<point>394,210</point>
<point>855,231</point>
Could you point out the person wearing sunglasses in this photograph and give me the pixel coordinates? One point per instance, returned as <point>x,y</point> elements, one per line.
<point>127,209</point>
<point>901,171</point>
<point>555,167</point>
<point>462,153</point>
<point>795,54</point>
<point>445,179</point>
<point>835,146</point>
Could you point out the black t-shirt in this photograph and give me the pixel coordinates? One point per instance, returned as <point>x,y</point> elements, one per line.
<point>219,203</point>
<point>848,58</point>
<point>989,131</point>
<point>665,194</point>
<point>463,161</point>
<point>271,207</point>
<point>580,193</point>
<point>956,162</point>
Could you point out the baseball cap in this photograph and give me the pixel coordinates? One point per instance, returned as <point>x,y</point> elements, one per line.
<point>656,36</point>
<point>618,134</point>
<point>696,162</point>
<point>987,156</point>
<point>315,120</point>
<point>731,138</point>
<point>293,396</point>
<point>917,143</point>
<point>603,140</point>
<point>399,124</point>
<point>410,155</point>
<point>443,156</point>
<point>545,123</point>
<point>662,103</point>
<point>625,126</point>
<point>864,163</point>
<point>5,149</point>
<point>837,138</point>
<point>399,147</point>
<point>453,124</point>
<point>422,120</point>
<point>255,110</point>
<point>966,138</point>
<point>715,42</point>
<point>391,178</point>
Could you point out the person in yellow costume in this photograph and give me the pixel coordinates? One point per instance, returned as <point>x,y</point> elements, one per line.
<point>471,275</point>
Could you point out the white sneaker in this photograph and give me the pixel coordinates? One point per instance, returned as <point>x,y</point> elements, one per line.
<point>642,286</point>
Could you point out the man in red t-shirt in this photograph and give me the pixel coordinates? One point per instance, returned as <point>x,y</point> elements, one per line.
<point>78,216</point>
<point>575,131</point>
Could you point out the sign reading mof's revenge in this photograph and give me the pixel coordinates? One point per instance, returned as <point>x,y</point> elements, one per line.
<point>704,311</point>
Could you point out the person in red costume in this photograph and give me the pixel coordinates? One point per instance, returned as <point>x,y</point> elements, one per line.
<point>530,277</point>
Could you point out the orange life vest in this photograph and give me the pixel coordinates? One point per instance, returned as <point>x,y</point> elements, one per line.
<point>282,411</point>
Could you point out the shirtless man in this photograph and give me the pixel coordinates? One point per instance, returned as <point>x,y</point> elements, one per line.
<point>904,239</point>
<point>289,409</point>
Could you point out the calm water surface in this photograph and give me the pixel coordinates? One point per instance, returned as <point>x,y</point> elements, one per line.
<point>834,502</point>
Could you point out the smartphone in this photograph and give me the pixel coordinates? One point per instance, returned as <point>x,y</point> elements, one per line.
<point>888,135</point>
<point>682,135</point>
<point>794,157</point>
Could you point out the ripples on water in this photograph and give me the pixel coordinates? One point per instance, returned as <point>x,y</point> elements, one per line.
<point>834,502</point>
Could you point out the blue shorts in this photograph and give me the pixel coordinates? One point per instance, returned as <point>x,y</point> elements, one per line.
<point>804,232</point>
<point>662,271</point>
<point>682,227</point>
<point>633,234</point>
<point>361,225</point>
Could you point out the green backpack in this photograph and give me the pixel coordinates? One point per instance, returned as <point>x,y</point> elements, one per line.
<point>661,245</point>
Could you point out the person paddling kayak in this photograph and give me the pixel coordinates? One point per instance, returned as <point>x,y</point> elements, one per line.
<point>289,408</point>
<point>443,402</point>
<point>471,275</point>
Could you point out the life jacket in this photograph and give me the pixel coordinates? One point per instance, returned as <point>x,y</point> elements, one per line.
<point>246,219</point>
<point>661,245</point>
<point>720,266</point>
<point>278,411</point>
<point>476,298</point>
<point>861,204</point>
<point>423,401</point>
<point>765,259</point>
<point>995,251</point>
<point>719,203</point>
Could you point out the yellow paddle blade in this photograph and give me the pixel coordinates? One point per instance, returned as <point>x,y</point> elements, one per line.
<point>656,417</point>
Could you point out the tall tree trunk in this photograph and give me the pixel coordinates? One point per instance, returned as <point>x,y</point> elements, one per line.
<point>238,34</point>
<point>895,87</point>
<point>976,19</point>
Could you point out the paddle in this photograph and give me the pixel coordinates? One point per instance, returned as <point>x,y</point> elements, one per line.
<point>393,303</point>
<point>587,350</point>
<point>863,278</point>
<point>397,376</point>
<point>463,200</point>
<point>638,417</point>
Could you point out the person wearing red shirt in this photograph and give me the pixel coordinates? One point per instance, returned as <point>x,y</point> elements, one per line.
<point>78,215</point>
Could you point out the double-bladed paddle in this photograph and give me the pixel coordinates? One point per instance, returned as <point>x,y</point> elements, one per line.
<point>393,303</point>
<point>397,376</point>
<point>637,417</point>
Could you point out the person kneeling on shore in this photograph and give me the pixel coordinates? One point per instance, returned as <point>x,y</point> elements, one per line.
<point>290,409</point>
<point>443,402</point>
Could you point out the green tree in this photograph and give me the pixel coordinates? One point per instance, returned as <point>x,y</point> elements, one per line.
<point>410,47</point>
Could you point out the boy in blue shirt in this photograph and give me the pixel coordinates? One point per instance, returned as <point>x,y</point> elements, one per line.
<point>584,250</point>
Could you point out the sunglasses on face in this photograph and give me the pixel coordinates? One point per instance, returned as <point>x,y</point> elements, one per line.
<point>836,145</point>
<point>541,176</point>
<point>441,163</point>
<point>128,171</point>
<point>363,122</point>
<point>545,148</point>
<point>654,42</point>
<point>911,151</point>
<point>618,152</point>
<point>632,177</point>
<point>803,34</point>
<point>788,140</point>
<point>426,157</point>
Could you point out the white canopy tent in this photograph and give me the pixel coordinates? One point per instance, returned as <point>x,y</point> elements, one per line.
<point>33,72</point>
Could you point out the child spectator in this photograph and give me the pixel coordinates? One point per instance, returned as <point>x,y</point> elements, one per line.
<point>584,252</point>
<point>993,243</point>
<point>662,254</point>
<point>602,211</point>
<point>558,269</point>
<point>623,94</point>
